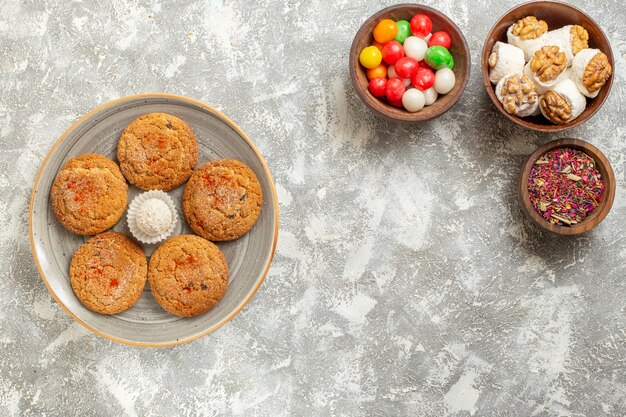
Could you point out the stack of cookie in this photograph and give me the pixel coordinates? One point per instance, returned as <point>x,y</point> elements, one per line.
<point>188,274</point>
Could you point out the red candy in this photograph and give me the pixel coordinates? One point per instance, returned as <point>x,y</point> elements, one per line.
<point>378,87</point>
<point>421,25</point>
<point>423,64</point>
<point>392,51</point>
<point>423,79</point>
<point>406,67</point>
<point>395,89</point>
<point>440,38</point>
<point>396,103</point>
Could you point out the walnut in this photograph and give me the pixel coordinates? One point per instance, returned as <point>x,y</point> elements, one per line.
<point>555,107</point>
<point>548,63</point>
<point>597,71</point>
<point>578,38</point>
<point>529,28</point>
<point>493,60</point>
<point>517,92</point>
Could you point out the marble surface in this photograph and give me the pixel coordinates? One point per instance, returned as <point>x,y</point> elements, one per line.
<point>406,280</point>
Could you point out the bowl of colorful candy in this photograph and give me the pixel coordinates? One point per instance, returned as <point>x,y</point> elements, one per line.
<point>567,187</point>
<point>409,63</point>
<point>547,65</point>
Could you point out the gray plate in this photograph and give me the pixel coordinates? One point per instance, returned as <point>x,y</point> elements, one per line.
<point>249,258</point>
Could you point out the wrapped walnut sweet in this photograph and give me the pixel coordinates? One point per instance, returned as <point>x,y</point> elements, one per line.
<point>518,95</point>
<point>528,34</point>
<point>563,103</point>
<point>571,39</point>
<point>547,67</point>
<point>590,71</point>
<point>504,59</point>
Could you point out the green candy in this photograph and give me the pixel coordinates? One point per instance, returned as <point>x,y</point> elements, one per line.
<point>404,30</point>
<point>438,57</point>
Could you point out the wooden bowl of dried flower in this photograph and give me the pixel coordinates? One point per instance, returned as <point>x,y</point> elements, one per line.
<point>604,203</point>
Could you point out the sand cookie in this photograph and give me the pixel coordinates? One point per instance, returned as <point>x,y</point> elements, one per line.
<point>88,194</point>
<point>157,152</point>
<point>222,200</point>
<point>108,273</point>
<point>188,275</point>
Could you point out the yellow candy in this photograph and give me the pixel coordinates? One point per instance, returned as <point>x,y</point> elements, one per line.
<point>370,57</point>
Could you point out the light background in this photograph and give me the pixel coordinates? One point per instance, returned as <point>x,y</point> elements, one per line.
<point>406,280</point>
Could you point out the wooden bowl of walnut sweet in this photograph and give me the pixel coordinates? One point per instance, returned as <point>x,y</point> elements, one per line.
<point>556,15</point>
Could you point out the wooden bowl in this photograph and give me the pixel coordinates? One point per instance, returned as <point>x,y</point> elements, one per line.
<point>606,172</point>
<point>556,15</point>
<point>459,51</point>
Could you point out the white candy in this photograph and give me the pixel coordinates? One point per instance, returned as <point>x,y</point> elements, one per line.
<point>391,72</point>
<point>415,47</point>
<point>579,64</point>
<point>154,217</point>
<point>568,91</point>
<point>430,96</point>
<point>529,46</point>
<point>444,81</point>
<point>508,59</point>
<point>151,216</point>
<point>413,100</point>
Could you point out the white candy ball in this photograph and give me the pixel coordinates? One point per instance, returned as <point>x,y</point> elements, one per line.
<point>154,217</point>
<point>444,80</point>
<point>391,72</point>
<point>430,96</point>
<point>415,47</point>
<point>413,100</point>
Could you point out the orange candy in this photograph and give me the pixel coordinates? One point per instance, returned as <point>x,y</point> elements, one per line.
<point>385,30</point>
<point>377,72</point>
<point>378,45</point>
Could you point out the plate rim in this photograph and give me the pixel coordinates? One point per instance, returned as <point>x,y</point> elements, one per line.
<point>241,133</point>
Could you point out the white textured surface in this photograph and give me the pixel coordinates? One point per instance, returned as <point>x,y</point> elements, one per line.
<point>406,281</point>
